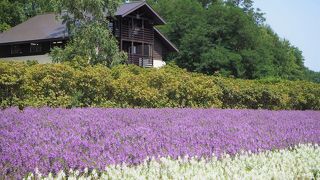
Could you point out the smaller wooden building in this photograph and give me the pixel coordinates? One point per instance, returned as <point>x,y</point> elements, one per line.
<point>133,26</point>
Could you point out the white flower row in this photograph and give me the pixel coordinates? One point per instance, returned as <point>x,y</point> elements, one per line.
<point>301,162</point>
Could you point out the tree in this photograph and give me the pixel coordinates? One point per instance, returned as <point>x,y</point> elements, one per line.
<point>92,42</point>
<point>88,27</point>
<point>11,14</point>
<point>35,7</point>
<point>247,7</point>
<point>312,76</point>
<point>193,45</point>
<point>86,11</point>
<point>221,60</point>
<point>229,37</point>
<point>182,16</point>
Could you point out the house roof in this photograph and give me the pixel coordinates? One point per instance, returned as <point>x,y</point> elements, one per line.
<point>48,26</point>
<point>127,8</point>
<point>40,27</point>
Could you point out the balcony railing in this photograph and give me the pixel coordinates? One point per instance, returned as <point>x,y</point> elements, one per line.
<point>137,34</point>
<point>140,60</point>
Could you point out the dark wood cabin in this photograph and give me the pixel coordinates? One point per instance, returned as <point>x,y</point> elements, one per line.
<point>133,26</point>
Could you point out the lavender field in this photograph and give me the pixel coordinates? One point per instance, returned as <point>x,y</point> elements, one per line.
<point>59,139</point>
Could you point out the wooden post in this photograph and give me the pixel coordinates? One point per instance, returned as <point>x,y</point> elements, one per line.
<point>131,52</point>
<point>142,46</point>
<point>120,33</point>
<point>152,46</point>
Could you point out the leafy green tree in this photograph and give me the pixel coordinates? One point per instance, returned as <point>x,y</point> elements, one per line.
<point>35,7</point>
<point>229,37</point>
<point>312,76</point>
<point>182,16</point>
<point>221,60</point>
<point>11,14</point>
<point>90,36</point>
<point>218,44</point>
<point>193,45</point>
<point>86,11</point>
<point>231,28</point>
<point>93,43</point>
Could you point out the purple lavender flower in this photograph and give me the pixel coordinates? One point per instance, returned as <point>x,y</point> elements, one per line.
<point>56,139</point>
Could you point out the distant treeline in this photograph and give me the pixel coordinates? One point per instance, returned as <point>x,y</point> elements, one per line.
<point>63,85</point>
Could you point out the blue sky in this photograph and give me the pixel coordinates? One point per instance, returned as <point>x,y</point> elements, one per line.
<point>297,21</point>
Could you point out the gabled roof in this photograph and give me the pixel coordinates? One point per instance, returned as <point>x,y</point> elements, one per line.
<point>40,27</point>
<point>165,40</point>
<point>127,8</point>
<point>48,26</point>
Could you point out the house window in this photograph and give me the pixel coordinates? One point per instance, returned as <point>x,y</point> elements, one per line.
<point>133,50</point>
<point>35,48</point>
<point>16,49</point>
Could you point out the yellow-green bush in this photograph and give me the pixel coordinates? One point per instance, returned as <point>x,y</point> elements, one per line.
<point>48,85</point>
<point>259,94</point>
<point>62,85</point>
<point>11,81</point>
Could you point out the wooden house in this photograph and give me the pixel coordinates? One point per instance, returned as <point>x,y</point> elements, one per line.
<point>133,26</point>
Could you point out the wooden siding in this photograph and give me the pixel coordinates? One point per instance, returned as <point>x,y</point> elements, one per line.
<point>159,50</point>
<point>136,30</point>
<point>138,35</point>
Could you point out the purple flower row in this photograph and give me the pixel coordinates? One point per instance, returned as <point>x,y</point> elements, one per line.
<point>57,139</point>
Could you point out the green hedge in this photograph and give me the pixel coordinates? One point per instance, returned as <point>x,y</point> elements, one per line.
<point>62,85</point>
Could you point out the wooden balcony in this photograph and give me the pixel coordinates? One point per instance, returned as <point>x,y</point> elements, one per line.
<point>140,60</point>
<point>137,34</point>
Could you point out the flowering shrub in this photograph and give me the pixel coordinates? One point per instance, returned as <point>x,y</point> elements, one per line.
<point>302,162</point>
<point>59,139</point>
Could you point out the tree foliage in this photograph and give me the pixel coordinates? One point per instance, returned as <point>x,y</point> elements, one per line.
<point>86,11</point>
<point>87,22</point>
<point>93,42</point>
<point>230,38</point>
